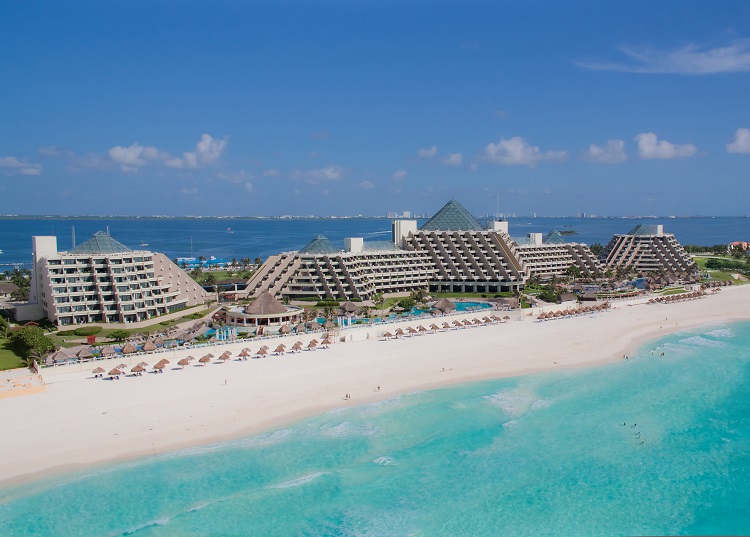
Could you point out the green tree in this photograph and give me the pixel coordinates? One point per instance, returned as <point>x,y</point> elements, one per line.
<point>379,300</point>
<point>419,296</point>
<point>210,279</point>
<point>258,261</point>
<point>119,335</point>
<point>407,303</point>
<point>596,249</point>
<point>573,271</point>
<point>32,339</point>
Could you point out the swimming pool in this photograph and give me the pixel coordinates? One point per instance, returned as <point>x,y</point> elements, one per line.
<point>468,306</point>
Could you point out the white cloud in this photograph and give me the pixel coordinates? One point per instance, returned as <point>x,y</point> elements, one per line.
<point>649,147</point>
<point>428,152</point>
<point>612,153</point>
<point>189,191</point>
<point>14,166</point>
<point>207,150</point>
<point>134,156</point>
<point>741,142</point>
<point>516,150</point>
<point>367,185</point>
<point>51,151</point>
<point>454,159</point>
<point>249,187</point>
<point>322,175</point>
<point>271,173</point>
<point>690,59</point>
<point>399,174</point>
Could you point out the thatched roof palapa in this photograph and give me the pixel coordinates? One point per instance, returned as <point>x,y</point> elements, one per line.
<point>444,305</point>
<point>265,304</point>
<point>149,346</point>
<point>349,307</point>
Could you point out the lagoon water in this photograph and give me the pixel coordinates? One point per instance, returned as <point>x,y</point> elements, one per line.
<point>545,454</point>
<point>263,237</point>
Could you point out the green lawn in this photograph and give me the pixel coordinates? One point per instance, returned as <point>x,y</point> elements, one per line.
<point>8,358</point>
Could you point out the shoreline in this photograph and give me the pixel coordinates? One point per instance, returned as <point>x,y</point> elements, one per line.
<point>102,423</point>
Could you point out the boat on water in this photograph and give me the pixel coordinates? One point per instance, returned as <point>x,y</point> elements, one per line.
<point>1,251</point>
<point>143,243</point>
<point>229,230</point>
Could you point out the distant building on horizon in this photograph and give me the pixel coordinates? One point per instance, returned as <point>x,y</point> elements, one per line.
<point>104,281</point>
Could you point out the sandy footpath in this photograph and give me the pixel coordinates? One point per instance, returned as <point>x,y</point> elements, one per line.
<point>79,420</point>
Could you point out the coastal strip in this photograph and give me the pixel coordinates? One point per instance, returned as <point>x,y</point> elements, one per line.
<point>80,421</point>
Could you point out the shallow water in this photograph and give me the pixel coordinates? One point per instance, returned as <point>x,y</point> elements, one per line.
<point>546,454</point>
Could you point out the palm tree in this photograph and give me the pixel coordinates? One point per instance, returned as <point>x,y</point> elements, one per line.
<point>379,299</point>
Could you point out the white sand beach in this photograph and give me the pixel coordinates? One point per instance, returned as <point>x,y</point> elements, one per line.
<point>80,421</point>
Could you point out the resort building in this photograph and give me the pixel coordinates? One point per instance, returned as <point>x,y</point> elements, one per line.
<point>647,249</point>
<point>357,272</point>
<point>104,281</point>
<point>453,252</point>
<point>464,256</point>
<point>552,255</point>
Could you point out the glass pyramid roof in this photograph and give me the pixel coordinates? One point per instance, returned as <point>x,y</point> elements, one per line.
<point>643,230</point>
<point>452,217</point>
<point>100,243</point>
<point>319,245</point>
<point>554,237</point>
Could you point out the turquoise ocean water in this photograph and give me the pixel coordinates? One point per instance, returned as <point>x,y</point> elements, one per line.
<point>545,454</point>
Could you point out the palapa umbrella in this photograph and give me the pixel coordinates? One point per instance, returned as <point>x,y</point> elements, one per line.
<point>434,327</point>
<point>444,305</point>
<point>244,353</point>
<point>280,349</point>
<point>107,351</point>
<point>148,346</point>
<point>159,342</point>
<point>446,324</point>
<point>164,361</point>
<point>129,348</point>
<point>297,346</point>
<point>159,366</point>
<point>399,331</point>
<point>205,359</point>
<point>387,335</point>
<point>115,372</point>
<point>300,327</point>
<point>506,318</point>
<point>137,369</point>
<point>143,364</point>
<point>329,325</point>
<point>457,323</point>
<point>182,363</point>
<point>325,342</point>
<point>226,355</point>
<point>122,366</point>
<point>262,351</point>
<point>84,354</point>
<point>312,344</point>
<point>98,370</point>
<point>466,322</point>
<point>285,329</point>
<point>411,330</point>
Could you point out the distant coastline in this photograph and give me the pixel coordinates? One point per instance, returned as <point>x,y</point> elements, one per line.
<point>338,217</point>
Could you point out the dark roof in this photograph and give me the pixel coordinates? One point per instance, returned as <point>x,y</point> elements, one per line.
<point>452,217</point>
<point>100,243</point>
<point>8,287</point>
<point>319,245</point>
<point>444,305</point>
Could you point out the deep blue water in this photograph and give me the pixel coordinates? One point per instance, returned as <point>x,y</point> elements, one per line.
<point>261,238</point>
<point>545,454</point>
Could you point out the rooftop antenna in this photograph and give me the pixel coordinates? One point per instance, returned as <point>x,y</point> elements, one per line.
<point>107,230</point>
<point>497,208</point>
<point>73,233</point>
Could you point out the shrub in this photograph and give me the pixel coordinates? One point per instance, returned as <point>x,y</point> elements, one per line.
<point>87,330</point>
<point>66,333</point>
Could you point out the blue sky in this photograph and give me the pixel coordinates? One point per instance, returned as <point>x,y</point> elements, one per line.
<point>271,108</point>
